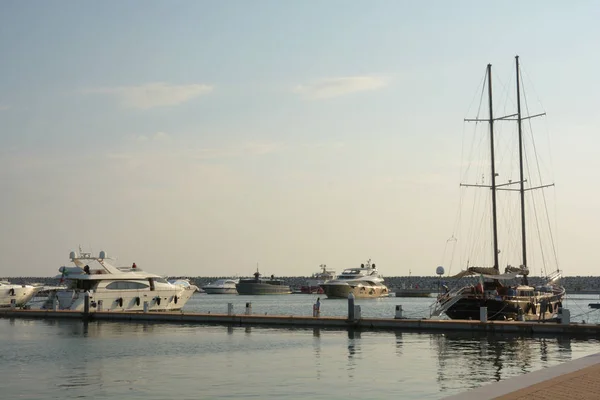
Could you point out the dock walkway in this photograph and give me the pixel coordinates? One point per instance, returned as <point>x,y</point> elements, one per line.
<point>575,380</point>
<point>415,325</point>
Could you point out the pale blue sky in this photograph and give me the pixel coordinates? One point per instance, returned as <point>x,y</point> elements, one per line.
<point>200,138</point>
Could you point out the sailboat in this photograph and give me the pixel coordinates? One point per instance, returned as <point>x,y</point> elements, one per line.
<point>502,299</point>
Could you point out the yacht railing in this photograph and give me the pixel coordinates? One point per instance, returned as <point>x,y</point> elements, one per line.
<point>446,301</point>
<point>554,276</point>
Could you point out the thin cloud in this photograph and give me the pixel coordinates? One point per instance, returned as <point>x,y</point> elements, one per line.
<point>4,107</point>
<point>157,137</point>
<point>150,95</point>
<point>161,146</point>
<point>334,87</point>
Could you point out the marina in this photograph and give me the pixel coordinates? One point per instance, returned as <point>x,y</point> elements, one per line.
<point>415,182</point>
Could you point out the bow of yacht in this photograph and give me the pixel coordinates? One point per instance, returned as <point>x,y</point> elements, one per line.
<point>19,295</point>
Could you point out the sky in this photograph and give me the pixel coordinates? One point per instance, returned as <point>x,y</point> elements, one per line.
<point>204,138</point>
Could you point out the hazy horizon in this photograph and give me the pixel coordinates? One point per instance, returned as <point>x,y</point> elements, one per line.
<point>201,138</point>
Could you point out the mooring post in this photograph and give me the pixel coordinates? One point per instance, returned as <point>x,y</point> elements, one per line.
<point>86,305</point>
<point>229,308</point>
<point>398,312</point>
<point>248,308</point>
<point>351,306</point>
<point>483,314</point>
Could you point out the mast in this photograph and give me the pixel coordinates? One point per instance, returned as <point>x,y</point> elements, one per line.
<point>493,187</point>
<point>521,177</point>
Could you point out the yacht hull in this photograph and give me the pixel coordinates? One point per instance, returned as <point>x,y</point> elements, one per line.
<point>244,288</point>
<point>123,300</point>
<point>503,310</point>
<point>215,290</point>
<point>342,291</point>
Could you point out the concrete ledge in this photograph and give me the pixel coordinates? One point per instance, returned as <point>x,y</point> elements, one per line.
<point>577,379</point>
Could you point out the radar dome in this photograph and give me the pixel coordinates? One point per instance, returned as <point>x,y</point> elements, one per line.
<point>72,255</point>
<point>102,255</point>
<point>439,270</point>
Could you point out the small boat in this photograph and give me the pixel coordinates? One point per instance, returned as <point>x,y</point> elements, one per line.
<point>412,290</point>
<point>313,284</point>
<point>19,295</point>
<point>364,283</point>
<point>221,286</point>
<point>258,285</point>
<point>111,288</point>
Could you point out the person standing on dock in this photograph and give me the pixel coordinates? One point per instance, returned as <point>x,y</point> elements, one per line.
<point>317,308</point>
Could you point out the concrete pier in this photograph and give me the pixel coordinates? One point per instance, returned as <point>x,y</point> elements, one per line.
<point>416,325</point>
<point>578,379</point>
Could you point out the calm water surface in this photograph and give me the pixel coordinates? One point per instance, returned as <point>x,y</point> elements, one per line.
<point>104,360</point>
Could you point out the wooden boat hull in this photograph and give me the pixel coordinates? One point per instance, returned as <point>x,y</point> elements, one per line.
<point>502,310</point>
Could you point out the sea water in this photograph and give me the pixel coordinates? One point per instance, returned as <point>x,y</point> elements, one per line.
<point>62,359</point>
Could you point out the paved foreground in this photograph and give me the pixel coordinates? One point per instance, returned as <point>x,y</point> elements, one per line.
<point>578,379</point>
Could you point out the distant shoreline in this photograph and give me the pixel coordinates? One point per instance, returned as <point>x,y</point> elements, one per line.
<point>573,284</point>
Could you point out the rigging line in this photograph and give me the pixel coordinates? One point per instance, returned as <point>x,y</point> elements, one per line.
<point>474,130</point>
<point>552,242</point>
<point>482,86</point>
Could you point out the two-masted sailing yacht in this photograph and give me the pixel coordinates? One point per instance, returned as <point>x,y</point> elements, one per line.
<point>504,301</point>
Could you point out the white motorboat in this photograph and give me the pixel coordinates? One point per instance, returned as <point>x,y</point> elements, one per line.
<point>221,286</point>
<point>313,284</point>
<point>364,282</point>
<point>19,295</point>
<point>113,288</point>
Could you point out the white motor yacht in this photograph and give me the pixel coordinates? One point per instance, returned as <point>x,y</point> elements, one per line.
<point>19,295</point>
<point>221,286</point>
<point>313,284</point>
<point>364,282</point>
<point>113,288</point>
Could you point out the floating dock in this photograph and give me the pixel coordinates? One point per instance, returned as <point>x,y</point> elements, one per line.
<point>292,321</point>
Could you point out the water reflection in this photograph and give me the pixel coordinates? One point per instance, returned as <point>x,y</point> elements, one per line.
<point>353,350</point>
<point>398,343</point>
<point>317,351</point>
<point>484,358</point>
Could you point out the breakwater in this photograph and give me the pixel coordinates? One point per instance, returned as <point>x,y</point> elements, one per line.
<point>573,284</point>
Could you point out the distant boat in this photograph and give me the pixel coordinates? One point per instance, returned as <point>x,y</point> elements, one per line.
<point>413,292</point>
<point>221,286</point>
<point>364,283</point>
<point>313,284</point>
<point>258,285</point>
